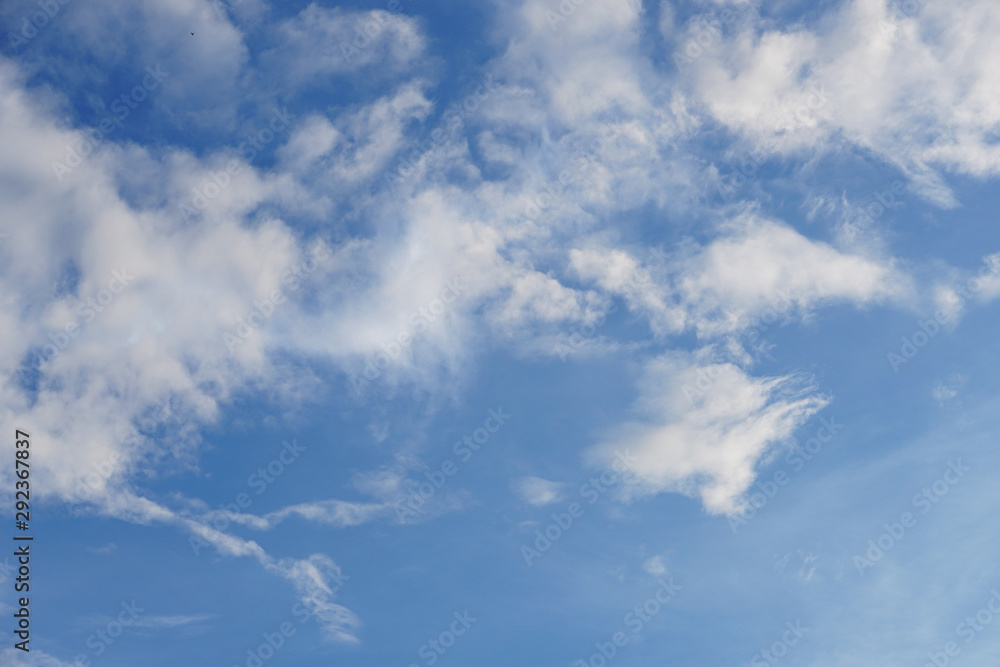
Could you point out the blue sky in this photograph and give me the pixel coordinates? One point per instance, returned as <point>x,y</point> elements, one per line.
<point>600,332</point>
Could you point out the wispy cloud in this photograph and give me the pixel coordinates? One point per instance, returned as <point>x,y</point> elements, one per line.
<point>538,491</point>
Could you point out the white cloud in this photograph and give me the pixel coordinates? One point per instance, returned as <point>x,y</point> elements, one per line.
<point>322,41</point>
<point>316,578</point>
<point>945,391</point>
<point>312,579</point>
<point>914,88</point>
<point>12,657</point>
<point>655,566</point>
<point>357,146</point>
<point>338,513</point>
<point>162,338</point>
<point>107,549</point>
<point>760,264</point>
<point>617,272</point>
<point>539,491</point>
<point>164,621</point>
<point>754,265</point>
<point>705,438</point>
<point>805,561</point>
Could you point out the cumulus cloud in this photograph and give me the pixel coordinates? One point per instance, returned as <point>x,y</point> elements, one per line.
<point>322,41</point>
<point>754,265</point>
<point>873,75</point>
<point>702,428</point>
<point>760,264</point>
<point>140,320</point>
<point>517,204</point>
